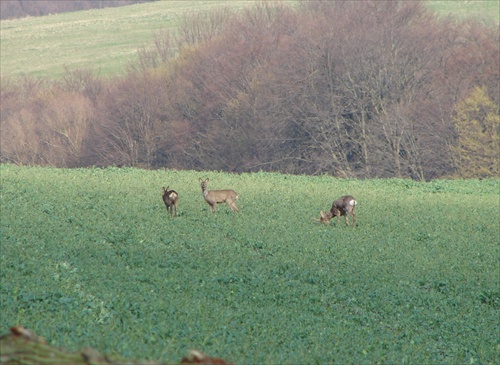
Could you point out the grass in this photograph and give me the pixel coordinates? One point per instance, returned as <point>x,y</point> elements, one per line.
<point>486,11</point>
<point>107,39</point>
<point>90,257</point>
<point>103,39</point>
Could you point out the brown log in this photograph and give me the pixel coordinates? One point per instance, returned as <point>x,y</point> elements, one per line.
<point>23,347</point>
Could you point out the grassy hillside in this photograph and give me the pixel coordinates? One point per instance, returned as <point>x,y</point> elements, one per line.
<point>487,11</point>
<point>107,39</point>
<point>90,257</point>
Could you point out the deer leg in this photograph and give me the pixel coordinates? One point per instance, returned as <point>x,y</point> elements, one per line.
<point>353,219</point>
<point>230,204</point>
<point>234,207</point>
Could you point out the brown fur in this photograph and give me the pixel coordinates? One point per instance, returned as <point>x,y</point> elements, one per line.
<point>171,199</point>
<point>214,197</point>
<point>343,206</point>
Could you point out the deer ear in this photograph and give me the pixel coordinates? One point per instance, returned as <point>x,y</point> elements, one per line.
<point>206,179</point>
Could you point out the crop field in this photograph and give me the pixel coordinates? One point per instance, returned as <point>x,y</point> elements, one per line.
<point>107,39</point>
<point>90,257</point>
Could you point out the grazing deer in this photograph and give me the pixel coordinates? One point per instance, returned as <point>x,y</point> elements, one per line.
<point>343,206</point>
<point>213,197</point>
<point>170,198</point>
<point>324,217</point>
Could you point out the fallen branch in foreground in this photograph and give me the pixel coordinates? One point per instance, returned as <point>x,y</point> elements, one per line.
<point>23,347</point>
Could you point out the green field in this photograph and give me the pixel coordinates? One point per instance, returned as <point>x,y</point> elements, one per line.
<point>486,11</point>
<point>90,257</point>
<point>103,39</point>
<point>107,39</point>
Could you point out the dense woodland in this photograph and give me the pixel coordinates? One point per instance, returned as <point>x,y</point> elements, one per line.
<point>346,88</point>
<point>10,9</point>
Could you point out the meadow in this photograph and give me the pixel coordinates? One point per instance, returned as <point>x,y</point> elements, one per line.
<point>107,40</point>
<point>90,257</point>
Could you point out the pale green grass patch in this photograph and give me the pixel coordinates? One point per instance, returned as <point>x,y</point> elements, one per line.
<point>487,11</point>
<point>106,39</point>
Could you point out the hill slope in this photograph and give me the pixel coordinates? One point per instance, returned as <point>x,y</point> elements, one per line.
<point>104,39</point>
<point>108,39</point>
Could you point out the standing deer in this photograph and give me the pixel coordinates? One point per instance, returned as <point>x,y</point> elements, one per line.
<point>343,206</point>
<point>170,198</point>
<point>213,197</point>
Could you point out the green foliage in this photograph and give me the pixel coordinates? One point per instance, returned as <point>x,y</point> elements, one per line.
<point>90,257</point>
<point>477,122</point>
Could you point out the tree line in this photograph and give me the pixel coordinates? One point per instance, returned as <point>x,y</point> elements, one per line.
<point>346,88</point>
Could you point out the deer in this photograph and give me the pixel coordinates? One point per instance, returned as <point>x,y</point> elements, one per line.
<point>170,198</point>
<point>343,206</point>
<point>214,197</point>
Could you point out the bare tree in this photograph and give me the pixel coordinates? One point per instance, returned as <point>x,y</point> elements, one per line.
<point>66,123</point>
